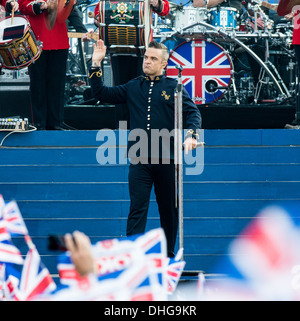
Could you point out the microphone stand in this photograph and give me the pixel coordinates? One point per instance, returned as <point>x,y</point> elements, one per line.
<point>178,153</point>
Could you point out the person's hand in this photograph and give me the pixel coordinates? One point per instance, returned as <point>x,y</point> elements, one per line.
<point>87,37</point>
<point>99,53</point>
<point>79,246</point>
<point>44,5</point>
<point>154,3</point>
<point>289,16</point>
<point>189,144</point>
<point>14,6</point>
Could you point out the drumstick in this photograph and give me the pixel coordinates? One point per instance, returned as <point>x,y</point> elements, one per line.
<point>13,11</point>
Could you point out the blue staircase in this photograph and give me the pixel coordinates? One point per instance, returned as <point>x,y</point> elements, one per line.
<point>60,187</point>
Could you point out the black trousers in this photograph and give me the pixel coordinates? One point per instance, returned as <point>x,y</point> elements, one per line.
<point>47,88</point>
<point>141,179</point>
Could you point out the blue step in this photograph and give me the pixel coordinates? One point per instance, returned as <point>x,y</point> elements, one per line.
<point>212,155</point>
<point>119,173</point>
<point>60,187</point>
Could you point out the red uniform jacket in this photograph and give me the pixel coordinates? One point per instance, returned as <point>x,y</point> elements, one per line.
<point>3,3</point>
<point>296,30</point>
<point>56,38</point>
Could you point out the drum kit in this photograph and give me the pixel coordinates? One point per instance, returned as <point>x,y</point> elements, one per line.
<point>212,45</point>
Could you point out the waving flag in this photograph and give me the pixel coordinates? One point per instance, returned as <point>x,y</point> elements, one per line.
<point>14,219</point>
<point>2,281</point>
<point>2,203</point>
<point>264,261</point>
<point>66,270</point>
<point>173,274</point>
<point>4,234</point>
<point>206,72</point>
<point>35,278</point>
<point>136,283</point>
<point>9,253</point>
<point>115,257</point>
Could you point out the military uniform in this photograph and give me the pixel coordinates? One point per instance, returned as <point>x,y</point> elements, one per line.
<point>151,106</point>
<point>6,4</point>
<point>47,74</point>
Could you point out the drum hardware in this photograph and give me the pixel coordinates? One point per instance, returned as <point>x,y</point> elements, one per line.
<point>233,36</point>
<point>235,92</point>
<point>262,74</point>
<point>246,87</point>
<point>91,14</point>
<point>253,54</point>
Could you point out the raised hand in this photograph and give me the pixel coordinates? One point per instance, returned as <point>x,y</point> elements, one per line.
<point>99,53</point>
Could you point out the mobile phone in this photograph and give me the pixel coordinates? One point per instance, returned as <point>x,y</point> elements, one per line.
<point>57,243</point>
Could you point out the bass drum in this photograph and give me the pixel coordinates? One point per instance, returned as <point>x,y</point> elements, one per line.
<point>206,72</point>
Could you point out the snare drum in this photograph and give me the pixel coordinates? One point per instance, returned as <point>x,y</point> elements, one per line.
<point>225,18</point>
<point>206,72</point>
<point>187,16</point>
<point>20,52</point>
<point>125,26</point>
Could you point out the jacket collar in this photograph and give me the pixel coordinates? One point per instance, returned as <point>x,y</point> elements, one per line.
<point>156,79</point>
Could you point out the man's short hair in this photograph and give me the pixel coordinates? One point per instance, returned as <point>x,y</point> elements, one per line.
<point>159,45</point>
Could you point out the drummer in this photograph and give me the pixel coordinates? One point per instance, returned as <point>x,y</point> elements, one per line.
<point>10,5</point>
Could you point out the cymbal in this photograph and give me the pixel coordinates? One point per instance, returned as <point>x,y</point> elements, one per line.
<point>50,14</point>
<point>64,9</point>
<point>286,6</point>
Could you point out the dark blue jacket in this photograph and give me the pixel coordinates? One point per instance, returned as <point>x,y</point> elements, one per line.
<point>150,104</point>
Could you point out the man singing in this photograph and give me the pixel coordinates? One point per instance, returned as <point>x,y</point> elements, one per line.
<point>150,100</point>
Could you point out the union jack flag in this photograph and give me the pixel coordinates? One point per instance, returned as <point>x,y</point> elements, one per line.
<point>2,203</point>
<point>264,261</point>
<point>173,273</point>
<point>116,257</point>
<point>66,270</point>
<point>12,292</point>
<point>12,216</point>
<point>9,253</point>
<point>4,234</point>
<point>2,280</point>
<point>35,278</point>
<point>206,70</point>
